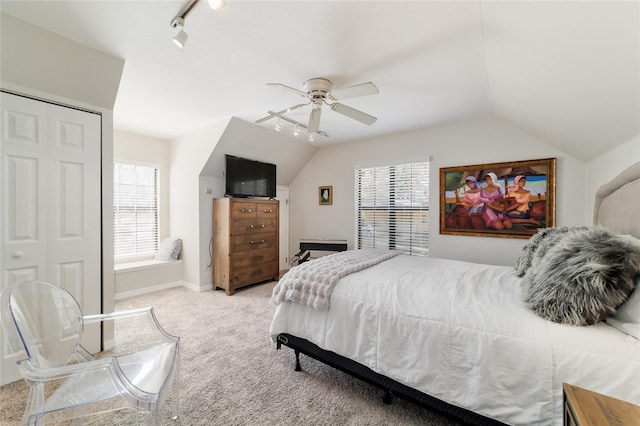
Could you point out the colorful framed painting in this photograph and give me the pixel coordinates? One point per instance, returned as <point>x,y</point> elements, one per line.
<point>325,195</point>
<point>513,199</point>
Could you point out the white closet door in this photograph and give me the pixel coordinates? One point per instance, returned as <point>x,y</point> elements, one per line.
<point>50,204</point>
<point>73,212</point>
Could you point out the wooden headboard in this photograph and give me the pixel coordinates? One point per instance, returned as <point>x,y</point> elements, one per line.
<point>617,205</point>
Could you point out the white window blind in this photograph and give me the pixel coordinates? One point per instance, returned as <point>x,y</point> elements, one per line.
<point>392,206</point>
<point>135,207</point>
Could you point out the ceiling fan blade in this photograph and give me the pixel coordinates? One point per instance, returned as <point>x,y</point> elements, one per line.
<point>353,113</point>
<point>364,89</point>
<point>291,89</point>
<point>314,120</point>
<point>279,113</point>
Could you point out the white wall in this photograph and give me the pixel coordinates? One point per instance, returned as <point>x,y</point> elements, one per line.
<point>604,168</point>
<point>188,155</point>
<point>46,62</point>
<point>141,149</point>
<point>480,141</point>
<point>197,164</point>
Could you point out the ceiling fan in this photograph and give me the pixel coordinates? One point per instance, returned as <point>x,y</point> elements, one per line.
<point>319,92</point>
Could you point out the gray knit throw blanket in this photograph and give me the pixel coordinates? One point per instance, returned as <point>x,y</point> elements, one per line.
<point>312,283</point>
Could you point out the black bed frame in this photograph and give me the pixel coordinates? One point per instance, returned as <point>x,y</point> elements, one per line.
<point>390,386</point>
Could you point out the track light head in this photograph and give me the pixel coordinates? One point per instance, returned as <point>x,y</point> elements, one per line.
<point>217,4</point>
<point>181,38</point>
<point>178,22</point>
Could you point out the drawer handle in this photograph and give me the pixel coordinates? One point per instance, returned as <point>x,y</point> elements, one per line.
<point>262,226</point>
<point>268,211</point>
<point>245,210</point>
<point>250,226</point>
<point>256,242</point>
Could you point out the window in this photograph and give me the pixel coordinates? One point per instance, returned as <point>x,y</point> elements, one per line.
<point>135,208</point>
<point>392,204</point>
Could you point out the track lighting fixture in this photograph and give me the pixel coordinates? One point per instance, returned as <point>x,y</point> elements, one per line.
<point>298,126</point>
<point>217,4</point>
<point>278,126</point>
<point>311,137</point>
<point>178,21</point>
<point>181,38</point>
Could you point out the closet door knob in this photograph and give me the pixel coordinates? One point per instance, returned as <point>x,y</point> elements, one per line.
<point>17,254</point>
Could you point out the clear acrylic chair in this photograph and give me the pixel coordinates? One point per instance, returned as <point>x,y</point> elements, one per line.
<point>43,324</point>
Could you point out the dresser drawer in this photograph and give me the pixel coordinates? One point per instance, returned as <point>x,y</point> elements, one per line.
<point>250,258</point>
<point>243,210</point>
<point>268,211</point>
<point>254,274</point>
<point>253,242</point>
<point>253,226</point>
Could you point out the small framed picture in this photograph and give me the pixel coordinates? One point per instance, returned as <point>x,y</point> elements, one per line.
<point>325,195</point>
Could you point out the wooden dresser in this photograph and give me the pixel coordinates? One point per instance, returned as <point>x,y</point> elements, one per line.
<point>245,242</point>
<point>583,407</point>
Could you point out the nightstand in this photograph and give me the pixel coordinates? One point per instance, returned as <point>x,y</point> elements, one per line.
<point>583,407</point>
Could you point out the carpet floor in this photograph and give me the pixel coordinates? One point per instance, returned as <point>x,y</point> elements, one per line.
<point>232,374</point>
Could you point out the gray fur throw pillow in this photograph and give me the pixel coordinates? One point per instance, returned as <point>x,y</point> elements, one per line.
<point>538,245</point>
<point>577,275</point>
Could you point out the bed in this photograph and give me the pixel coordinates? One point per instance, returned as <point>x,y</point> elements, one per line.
<point>456,337</point>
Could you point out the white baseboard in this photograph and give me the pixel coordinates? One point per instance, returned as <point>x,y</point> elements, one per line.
<point>197,288</point>
<point>145,290</point>
<point>109,344</point>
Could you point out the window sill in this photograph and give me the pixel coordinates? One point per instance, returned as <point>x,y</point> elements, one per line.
<point>143,264</point>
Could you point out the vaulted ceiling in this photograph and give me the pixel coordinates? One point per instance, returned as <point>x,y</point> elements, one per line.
<point>567,72</point>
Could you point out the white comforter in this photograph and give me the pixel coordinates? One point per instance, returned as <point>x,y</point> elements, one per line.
<point>458,331</point>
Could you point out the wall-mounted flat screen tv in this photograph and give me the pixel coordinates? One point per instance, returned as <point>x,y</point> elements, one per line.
<point>249,178</point>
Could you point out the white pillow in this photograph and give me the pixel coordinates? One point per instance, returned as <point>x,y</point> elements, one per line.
<point>627,316</point>
<point>169,249</point>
